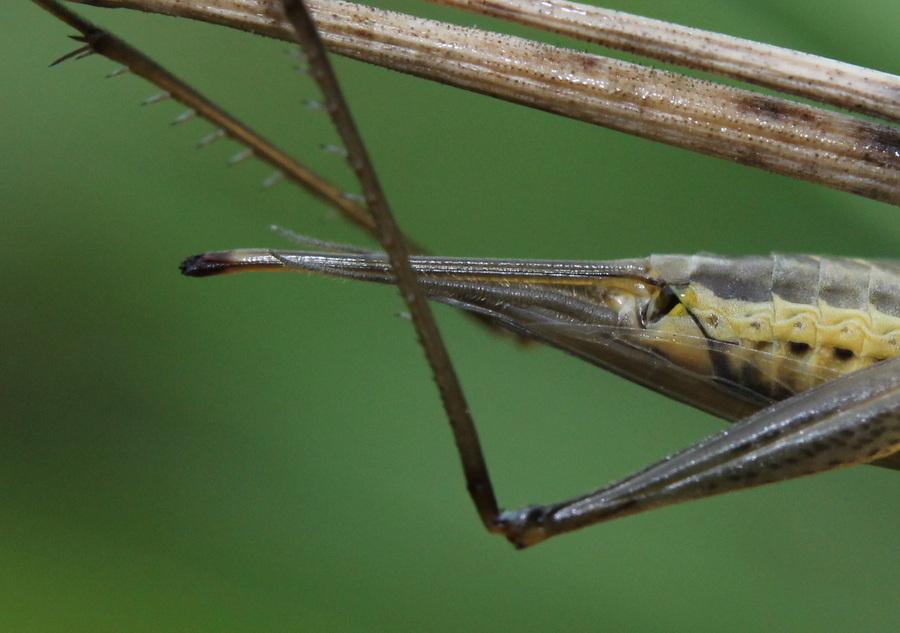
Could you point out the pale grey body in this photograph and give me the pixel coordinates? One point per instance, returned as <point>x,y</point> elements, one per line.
<point>796,349</point>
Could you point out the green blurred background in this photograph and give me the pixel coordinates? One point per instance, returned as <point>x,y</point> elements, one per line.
<point>267,453</point>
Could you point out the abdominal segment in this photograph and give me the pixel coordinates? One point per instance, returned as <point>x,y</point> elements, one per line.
<point>779,325</point>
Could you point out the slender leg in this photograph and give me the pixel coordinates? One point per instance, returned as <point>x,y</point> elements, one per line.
<point>851,420</point>
<point>386,230</point>
<point>376,218</point>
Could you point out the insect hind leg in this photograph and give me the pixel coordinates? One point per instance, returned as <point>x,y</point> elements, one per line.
<point>854,419</point>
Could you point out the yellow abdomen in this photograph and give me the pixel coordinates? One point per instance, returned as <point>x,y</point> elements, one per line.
<point>782,324</point>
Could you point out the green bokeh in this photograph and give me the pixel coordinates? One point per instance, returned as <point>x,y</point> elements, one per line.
<point>267,453</point>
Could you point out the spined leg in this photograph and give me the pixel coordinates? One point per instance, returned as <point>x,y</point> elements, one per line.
<point>851,420</point>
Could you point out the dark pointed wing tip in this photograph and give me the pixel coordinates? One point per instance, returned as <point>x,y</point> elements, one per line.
<point>199,266</point>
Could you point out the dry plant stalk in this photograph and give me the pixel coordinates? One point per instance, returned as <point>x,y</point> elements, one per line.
<point>779,135</point>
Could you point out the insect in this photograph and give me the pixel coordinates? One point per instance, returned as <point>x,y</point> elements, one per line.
<point>642,250</point>
<point>729,336</point>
